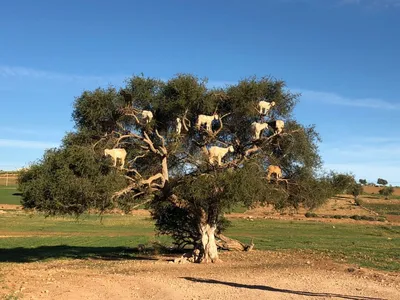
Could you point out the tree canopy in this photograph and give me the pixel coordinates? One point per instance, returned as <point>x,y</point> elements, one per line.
<point>382,181</point>
<point>169,155</point>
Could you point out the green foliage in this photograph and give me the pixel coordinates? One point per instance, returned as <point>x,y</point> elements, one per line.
<point>362,181</point>
<point>69,180</point>
<point>310,214</point>
<point>382,181</point>
<point>343,183</point>
<point>356,190</point>
<point>386,191</point>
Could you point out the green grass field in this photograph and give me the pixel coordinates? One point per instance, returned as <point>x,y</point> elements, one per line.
<point>6,195</point>
<point>384,208</point>
<point>27,238</point>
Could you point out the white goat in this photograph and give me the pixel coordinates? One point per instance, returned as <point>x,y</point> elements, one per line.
<point>147,116</point>
<point>206,120</point>
<point>215,153</point>
<point>277,126</point>
<point>274,170</point>
<point>178,126</point>
<point>265,106</point>
<point>257,128</point>
<point>116,154</point>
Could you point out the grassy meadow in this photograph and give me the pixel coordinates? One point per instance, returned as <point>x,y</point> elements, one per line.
<point>28,237</point>
<point>7,195</point>
<point>32,237</point>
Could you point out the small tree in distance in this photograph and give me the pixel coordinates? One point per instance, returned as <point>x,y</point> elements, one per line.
<point>169,165</point>
<point>382,181</point>
<point>362,181</point>
<point>386,191</point>
<point>356,190</point>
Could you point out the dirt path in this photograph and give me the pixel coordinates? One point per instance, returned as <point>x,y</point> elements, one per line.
<point>264,275</point>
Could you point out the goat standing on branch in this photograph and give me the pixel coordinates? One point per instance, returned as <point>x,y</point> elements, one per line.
<point>277,126</point>
<point>265,106</point>
<point>147,116</point>
<point>206,120</point>
<point>178,127</point>
<point>127,97</point>
<point>116,154</point>
<point>215,154</point>
<point>257,128</point>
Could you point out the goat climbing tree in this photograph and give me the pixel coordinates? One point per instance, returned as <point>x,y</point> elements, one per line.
<point>193,153</point>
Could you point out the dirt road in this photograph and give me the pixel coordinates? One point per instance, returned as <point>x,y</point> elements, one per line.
<point>255,275</point>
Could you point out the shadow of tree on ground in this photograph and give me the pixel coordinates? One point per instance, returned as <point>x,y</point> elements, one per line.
<point>271,289</point>
<point>23,255</point>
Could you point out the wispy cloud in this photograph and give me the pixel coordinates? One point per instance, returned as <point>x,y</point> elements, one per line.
<point>27,144</point>
<point>332,98</point>
<point>33,132</point>
<point>372,3</point>
<point>23,72</point>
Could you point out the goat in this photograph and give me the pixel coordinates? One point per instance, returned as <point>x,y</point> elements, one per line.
<point>257,128</point>
<point>178,126</point>
<point>147,116</point>
<point>116,154</point>
<point>127,97</point>
<point>215,154</point>
<point>206,120</point>
<point>265,106</point>
<point>274,170</point>
<point>277,126</point>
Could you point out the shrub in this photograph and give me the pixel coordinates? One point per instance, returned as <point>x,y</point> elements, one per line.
<point>386,191</point>
<point>310,214</point>
<point>367,218</point>
<point>355,217</point>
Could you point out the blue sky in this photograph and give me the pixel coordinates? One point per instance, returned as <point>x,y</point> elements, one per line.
<point>342,55</point>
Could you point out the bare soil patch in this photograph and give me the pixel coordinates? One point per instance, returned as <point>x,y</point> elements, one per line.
<point>10,207</point>
<point>254,275</point>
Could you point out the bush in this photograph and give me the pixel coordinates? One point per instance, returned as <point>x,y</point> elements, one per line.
<point>386,191</point>
<point>310,214</point>
<point>367,218</point>
<point>337,216</point>
<point>381,219</point>
<point>355,217</point>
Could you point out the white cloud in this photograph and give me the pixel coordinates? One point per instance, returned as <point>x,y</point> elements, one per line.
<point>27,144</point>
<point>335,99</point>
<point>18,72</point>
<point>34,132</point>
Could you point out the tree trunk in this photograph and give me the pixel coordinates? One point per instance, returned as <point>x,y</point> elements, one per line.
<point>226,243</point>
<point>209,251</point>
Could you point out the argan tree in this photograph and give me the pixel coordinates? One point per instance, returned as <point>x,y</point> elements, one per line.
<point>362,181</point>
<point>382,181</point>
<point>201,152</point>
